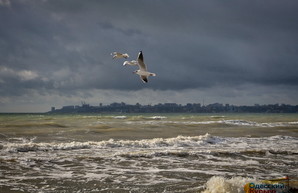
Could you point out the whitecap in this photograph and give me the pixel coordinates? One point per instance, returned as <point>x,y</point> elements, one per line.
<point>251,123</point>
<point>221,184</point>
<point>217,116</point>
<point>176,142</point>
<point>26,147</point>
<point>120,117</point>
<point>156,117</point>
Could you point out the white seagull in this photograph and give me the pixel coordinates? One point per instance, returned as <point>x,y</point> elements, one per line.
<point>131,63</point>
<point>144,74</point>
<point>119,55</point>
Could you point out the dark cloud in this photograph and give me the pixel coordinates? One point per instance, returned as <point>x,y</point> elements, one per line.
<point>63,48</point>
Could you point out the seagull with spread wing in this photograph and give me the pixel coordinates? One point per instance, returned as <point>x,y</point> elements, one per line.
<point>142,72</point>
<point>131,63</point>
<point>119,55</point>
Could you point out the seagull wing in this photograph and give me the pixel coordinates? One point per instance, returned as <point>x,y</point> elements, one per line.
<point>115,54</point>
<point>134,62</point>
<point>144,79</point>
<point>141,63</point>
<point>125,55</point>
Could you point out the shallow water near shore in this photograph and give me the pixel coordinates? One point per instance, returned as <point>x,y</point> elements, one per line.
<point>144,152</point>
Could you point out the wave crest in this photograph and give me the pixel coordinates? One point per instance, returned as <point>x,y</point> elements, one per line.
<point>220,184</point>
<point>180,141</point>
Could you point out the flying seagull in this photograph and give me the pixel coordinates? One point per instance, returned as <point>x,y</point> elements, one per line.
<point>131,63</point>
<point>144,74</point>
<point>119,55</point>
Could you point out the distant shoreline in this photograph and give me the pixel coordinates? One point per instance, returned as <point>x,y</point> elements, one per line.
<point>175,108</point>
<point>122,108</point>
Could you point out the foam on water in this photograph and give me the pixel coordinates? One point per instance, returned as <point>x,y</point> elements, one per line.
<point>157,117</point>
<point>207,142</point>
<point>157,120</point>
<point>180,141</point>
<point>145,152</point>
<point>219,184</point>
<point>120,117</point>
<point>165,162</point>
<point>255,124</point>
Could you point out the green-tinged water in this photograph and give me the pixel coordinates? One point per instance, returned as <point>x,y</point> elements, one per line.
<point>143,152</point>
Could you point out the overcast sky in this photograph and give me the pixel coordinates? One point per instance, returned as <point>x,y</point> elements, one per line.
<point>57,52</point>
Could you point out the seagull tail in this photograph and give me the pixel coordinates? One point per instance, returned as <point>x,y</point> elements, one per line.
<point>152,74</point>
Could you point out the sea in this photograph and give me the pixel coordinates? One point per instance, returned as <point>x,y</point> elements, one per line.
<point>82,153</point>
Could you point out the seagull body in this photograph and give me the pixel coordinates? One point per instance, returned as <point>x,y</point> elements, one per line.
<point>131,63</point>
<point>119,55</point>
<point>142,72</point>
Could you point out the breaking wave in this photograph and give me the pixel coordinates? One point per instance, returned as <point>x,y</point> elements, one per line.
<point>219,184</point>
<point>159,120</point>
<point>250,123</point>
<point>177,146</point>
<point>180,141</point>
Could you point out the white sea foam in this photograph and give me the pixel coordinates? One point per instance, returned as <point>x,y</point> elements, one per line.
<point>217,116</point>
<point>157,117</point>
<point>150,162</point>
<point>73,154</point>
<point>156,120</point>
<point>219,184</point>
<point>120,117</point>
<point>179,141</point>
<point>24,145</point>
<point>201,143</point>
<point>251,123</point>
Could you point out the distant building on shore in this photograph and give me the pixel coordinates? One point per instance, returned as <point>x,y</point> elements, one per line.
<point>175,108</point>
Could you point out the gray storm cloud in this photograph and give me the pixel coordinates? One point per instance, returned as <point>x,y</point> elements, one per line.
<point>62,48</point>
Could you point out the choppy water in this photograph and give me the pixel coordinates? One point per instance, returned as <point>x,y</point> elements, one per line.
<point>145,153</point>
